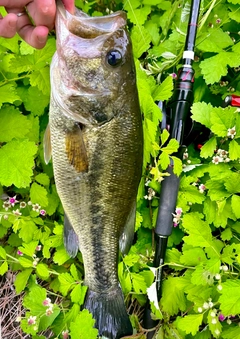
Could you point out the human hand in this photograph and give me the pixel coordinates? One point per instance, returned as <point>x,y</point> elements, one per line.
<point>17,20</point>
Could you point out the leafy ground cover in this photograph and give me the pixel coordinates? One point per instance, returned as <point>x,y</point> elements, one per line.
<point>201,289</point>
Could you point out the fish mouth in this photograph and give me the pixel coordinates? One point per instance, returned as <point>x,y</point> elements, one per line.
<point>86,27</point>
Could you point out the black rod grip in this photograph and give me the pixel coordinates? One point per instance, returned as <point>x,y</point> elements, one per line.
<point>167,204</point>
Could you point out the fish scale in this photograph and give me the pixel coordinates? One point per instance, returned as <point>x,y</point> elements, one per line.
<point>96,142</point>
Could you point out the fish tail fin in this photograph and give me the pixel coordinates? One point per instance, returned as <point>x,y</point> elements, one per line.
<point>109,312</point>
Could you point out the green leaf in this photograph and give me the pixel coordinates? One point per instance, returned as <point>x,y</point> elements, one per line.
<point>13,125</point>
<point>173,298</point>
<point>171,147</point>
<point>27,232</point>
<point>47,320</point>
<point>38,194</point>
<point>21,280</point>
<point>36,101</point>
<point>138,282</point>
<point>230,298</point>
<point>66,282</point>
<point>190,323</point>
<point>2,253</point>
<point>136,15</point>
<point>193,256</point>
<point>29,248</point>
<point>78,294</point>
<point>42,271</point>
<point>210,42</point>
<point>17,162</point>
<point>40,79</point>
<point>201,112</point>
<point>221,120</point>
<point>235,203</point>
<point>26,49</point>
<point>231,332</point>
<point>3,268</point>
<point>61,255</point>
<point>24,262</point>
<point>74,272</point>
<point>83,324</point>
<point>34,300</point>
<point>177,168</point>
<point>8,93</point>
<point>164,160</point>
<point>43,179</point>
<point>215,67</point>
<point>207,150</point>
<point>141,40</point>
<point>234,150</point>
<point>164,136</point>
<point>198,230</point>
<point>164,90</point>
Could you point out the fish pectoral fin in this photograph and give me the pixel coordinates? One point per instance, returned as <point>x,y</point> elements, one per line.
<point>47,148</point>
<point>126,238</point>
<point>76,150</point>
<point>70,238</point>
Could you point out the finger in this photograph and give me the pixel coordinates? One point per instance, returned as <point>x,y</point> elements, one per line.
<point>8,26</point>
<point>14,4</point>
<point>69,5</point>
<point>43,12</point>
<point>34,36</point>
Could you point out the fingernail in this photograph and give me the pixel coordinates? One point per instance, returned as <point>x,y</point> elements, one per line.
<point>41,39</point>
<point>12,24</point>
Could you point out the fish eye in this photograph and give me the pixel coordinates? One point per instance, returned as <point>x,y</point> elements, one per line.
<point>114,58</point>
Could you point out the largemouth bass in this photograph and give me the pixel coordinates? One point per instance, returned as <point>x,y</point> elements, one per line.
<point>96,145</point>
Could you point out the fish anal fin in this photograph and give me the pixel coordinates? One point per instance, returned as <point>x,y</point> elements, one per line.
<point>47,145</point>
<point>76,150</point>
<point>126,238</point>
<point>70,238</point>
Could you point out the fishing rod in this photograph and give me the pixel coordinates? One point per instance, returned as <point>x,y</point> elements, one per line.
<point>177,117</point>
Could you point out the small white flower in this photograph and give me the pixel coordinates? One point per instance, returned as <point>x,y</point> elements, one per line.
<point>206,305</point>
<point>229,321</point>
<point>216,160</point>
<point>213,313</point>
<point>202,188</point>
<point>210,304</point>
<point>32,320</point>
<point>17,212</point>
<point>219,287</point>
<point>225,268</point>
<point>217,276</point>
<point>214,321</point>
<point>231,132</point>
<point>217,332</point>
<point>200,309</point>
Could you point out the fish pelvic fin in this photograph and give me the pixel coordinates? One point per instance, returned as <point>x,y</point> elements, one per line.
<point>47,145</point>
<point>76,150</point>
<point>109,312</point>
<point>70,238</point>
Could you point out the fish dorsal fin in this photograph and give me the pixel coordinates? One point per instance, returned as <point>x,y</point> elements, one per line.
<point>47,145</point>
<point>70,238</point>
<point>126,238</point>
<point>76,150</point>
